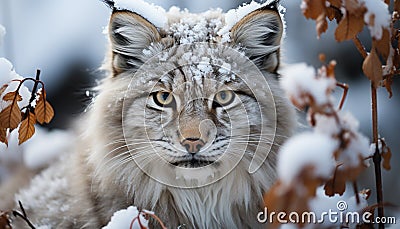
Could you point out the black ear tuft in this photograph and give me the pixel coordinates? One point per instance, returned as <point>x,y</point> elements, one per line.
<point>109,3</point>
<point>274,5</point>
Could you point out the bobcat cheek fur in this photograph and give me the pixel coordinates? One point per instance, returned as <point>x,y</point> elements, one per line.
<point>123,126</point>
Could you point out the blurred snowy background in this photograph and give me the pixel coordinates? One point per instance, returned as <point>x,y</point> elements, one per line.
<point>65,39</point>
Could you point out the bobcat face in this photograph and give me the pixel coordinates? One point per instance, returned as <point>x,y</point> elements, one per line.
<point>190,99</point>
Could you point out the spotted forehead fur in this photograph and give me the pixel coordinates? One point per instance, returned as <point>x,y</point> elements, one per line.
<point>197,70</point>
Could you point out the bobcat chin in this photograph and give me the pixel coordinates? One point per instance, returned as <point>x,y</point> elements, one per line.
<point>181,126</point>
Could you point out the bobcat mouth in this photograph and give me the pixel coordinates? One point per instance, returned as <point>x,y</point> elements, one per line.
<point>192,163</point>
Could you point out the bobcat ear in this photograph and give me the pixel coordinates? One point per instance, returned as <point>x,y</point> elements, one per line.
<point>130,34</point>
<point>260,34</point>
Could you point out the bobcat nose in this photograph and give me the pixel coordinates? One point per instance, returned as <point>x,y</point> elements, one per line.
<point>192,145</point>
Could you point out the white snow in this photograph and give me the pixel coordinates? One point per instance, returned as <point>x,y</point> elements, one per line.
<point>225,68</point>
<point>204,66</point>
<point>146,52</point>
<point>190,28</point>
<point>46,146</point>
<point>377,17</point>
<point>326,125</point>
<point>2,33</point>
<point>306,149</point>
<point>122,219</point>
<point>44,227</point>
<point>233,16</point>
<point>7,74</point>
<point>42,149</point>
<point>13,152</point>
<point>153,13</point>
<point>49,194</point>
<point>372,147</point>
<point>358,144</point>
<point>300,78</point>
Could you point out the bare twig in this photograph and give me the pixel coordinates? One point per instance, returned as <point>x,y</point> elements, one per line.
<point>23,215</point>
<point>345,88</point>
<point>360,47</point>
<point>156,218</point>
<point>355,188</point>
<point>147,214</point>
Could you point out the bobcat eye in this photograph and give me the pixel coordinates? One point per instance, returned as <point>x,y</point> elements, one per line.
<point>163,99</point>
<point>223,98</point>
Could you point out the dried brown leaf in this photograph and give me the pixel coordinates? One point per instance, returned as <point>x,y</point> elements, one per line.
<point>386,159</point>
<point>43,110</point>
<point>5,222</point>
<point>366,193</point>
<point>314,8</point>
<point>343,173</point>
<point>11,96</point>
<point>396,57</point>
<point>349,27</point>
<point>397,5</point>
<point>3,136</point>
<point>386,155</point>
<point>322,57</point>
<point>371,20</point>
<point>27,128</point>
<point>337,184</point>
<point>322,24</point>
<point>283,197</point>
<point>388,85</point>
<point>10,117</point>
<point>372,67</point>
<point>330,69</point>
<point>383,45</point>
<point>3,88</point>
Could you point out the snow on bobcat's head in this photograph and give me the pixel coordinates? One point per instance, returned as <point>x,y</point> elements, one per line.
<point>192,99</point>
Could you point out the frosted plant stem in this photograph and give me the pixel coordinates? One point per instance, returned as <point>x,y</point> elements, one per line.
<point>377,156</point>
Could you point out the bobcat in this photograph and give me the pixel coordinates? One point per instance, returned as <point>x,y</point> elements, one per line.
<point>181,126</point>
